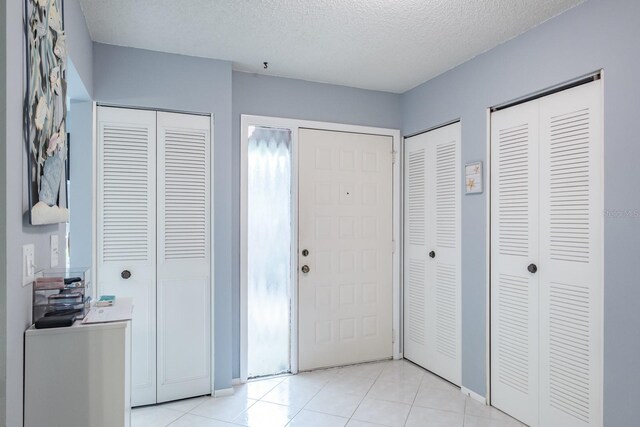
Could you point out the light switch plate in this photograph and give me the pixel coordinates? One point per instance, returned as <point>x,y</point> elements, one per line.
<point>28,264</point>
<point>54,250</point>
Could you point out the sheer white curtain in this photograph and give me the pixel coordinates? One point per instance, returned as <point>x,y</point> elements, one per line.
<point>269,250</point>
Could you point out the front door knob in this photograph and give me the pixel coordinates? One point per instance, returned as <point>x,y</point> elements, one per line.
<point>432,254</point>
<point>305,269</point>
<point>532,268</point>
<point>305,252</point>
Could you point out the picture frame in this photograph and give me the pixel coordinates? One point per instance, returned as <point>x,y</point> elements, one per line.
<point>473,178</point>
<point>45,111</point>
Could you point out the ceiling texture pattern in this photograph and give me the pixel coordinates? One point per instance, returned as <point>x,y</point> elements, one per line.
<point>387,45</point>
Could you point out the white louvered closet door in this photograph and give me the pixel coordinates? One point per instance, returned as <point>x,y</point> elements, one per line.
<point>416,341</point>
<point>443,169</point>
<point>126,246</point>
<point>514,246</point>
<point>184,257</point>
<point>547,204</point>
<point>432,254</point>
<point>571,233</point>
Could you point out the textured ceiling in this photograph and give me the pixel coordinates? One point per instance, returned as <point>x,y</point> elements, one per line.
<point>388,45</point>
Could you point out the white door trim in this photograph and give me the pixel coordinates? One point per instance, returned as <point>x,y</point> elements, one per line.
<point>294,125</point>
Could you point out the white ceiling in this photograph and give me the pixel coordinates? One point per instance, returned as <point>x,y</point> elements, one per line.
<point>388,45</point>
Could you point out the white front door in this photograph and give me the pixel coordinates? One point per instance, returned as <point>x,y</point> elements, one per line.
<point>432,252</point>
<point>345,224</point>
<point>126,263</point>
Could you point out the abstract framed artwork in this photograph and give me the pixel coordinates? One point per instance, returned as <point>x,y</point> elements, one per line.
<point>45,110</point>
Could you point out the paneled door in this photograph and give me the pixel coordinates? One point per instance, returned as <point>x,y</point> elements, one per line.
<point>432,297</point>
<point>184,256</point>
<point>546,259</point>
<point>345,248</point>
<point>126,246</point>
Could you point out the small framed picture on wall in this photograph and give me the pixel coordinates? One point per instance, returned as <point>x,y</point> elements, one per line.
<point>473,178</point>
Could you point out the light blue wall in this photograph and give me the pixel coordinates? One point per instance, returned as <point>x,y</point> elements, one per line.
<point>80,49</point>
<point>3,213</point>
<point>80,128</point>
<point>296,99</point>
<point>141,78</point>
<point>17,299</point>
<point>597,34</point>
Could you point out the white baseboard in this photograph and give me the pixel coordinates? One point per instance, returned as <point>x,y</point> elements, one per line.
<point>236,381</point>
<point>474,395</point>
<point>223,392</point>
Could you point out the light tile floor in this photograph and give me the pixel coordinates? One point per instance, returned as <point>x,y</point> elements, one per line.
<point>392,393</point>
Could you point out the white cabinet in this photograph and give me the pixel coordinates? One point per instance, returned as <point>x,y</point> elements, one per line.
<point>154,245</point>
<point>78,376</point>
<point>432,251</point>
<point>546,259</point>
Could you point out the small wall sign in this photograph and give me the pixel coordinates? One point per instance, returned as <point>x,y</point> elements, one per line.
<point>473,178</point>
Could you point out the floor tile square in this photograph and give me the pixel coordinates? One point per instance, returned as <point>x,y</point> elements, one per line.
<point>307,418</point>
<point>265,414</point>
<point>382,412</point>
<point>447,400</point>
<point>153,416</point>
<point>426,417</point>
<point>294,395</point>
<point>334,403</point>
<point>223,408</point>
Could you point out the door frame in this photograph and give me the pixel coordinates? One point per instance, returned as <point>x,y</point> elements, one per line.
<point>294,125</point>
<point>596,75</point>
<point>94,213</point>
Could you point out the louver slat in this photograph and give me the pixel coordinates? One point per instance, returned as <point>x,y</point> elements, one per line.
<point>125,193</point>
<point>416,301</point>
<point>446,297</point>
<point>416,197</point>
<point>513,183</point>
<point>185,194</point>
<point>446,195</point>
<point>570,190</point>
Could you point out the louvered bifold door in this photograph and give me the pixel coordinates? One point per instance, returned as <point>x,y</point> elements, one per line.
<point>571,230</point>
<point>443,251</point>
<point>415,253</point>
<point>184,256</point>
<point>514,247</point>
<point>432,303</point>
<point>126,246</point>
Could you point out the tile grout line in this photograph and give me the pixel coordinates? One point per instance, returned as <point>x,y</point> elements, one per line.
<point>366,394</point>
<point>414,398</point>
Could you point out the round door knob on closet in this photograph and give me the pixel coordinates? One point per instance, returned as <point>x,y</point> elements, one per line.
<point>305,269</point>
<point>432,254</point>
<point>125,274</point>
<point>532,268</point>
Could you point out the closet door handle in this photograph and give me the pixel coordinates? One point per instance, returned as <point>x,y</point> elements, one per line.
<point>532,268</point>
<point>432,254</point>
<point>125,274</point>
